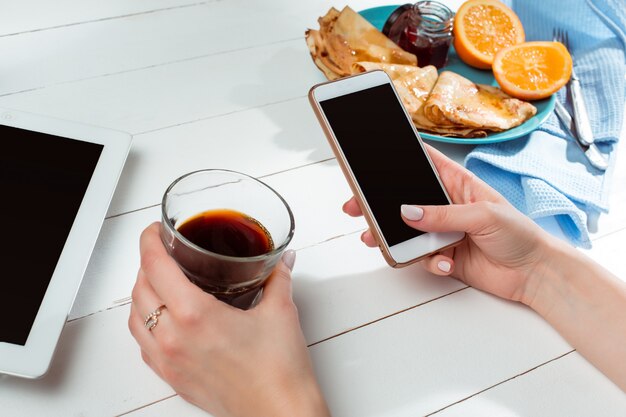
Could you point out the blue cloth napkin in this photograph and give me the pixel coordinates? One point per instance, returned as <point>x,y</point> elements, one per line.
<point>544,173</point>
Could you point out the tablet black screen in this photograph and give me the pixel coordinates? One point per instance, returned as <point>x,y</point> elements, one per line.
<point>43,179</point>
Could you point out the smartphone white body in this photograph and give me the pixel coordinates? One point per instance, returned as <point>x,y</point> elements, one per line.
<point>384,160</point>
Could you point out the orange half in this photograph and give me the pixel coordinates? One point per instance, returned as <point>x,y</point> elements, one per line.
<point>482,28</point>
<point>532,70</point>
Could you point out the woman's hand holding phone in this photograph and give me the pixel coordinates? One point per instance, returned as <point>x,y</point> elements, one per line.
<point>508,255</point>
<point>381,154</point>
<point>503,248</point>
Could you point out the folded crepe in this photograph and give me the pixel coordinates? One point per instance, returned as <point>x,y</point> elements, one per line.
<point>345,38</point>
<point>412,83</point>
<point>455,101</point>
<point>416,87</point>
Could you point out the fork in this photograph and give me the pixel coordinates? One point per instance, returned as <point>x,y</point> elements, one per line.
<point>581,117</point>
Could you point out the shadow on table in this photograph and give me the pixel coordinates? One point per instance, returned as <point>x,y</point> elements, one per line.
<point>299,130</point>
<point>332,301</point>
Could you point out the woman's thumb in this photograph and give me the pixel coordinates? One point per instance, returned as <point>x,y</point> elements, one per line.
<point>278,286</point>
<point>468,218</point>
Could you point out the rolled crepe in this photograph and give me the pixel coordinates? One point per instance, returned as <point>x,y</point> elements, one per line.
<point>345,38</point>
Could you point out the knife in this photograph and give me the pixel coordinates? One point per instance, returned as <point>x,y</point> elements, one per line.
<point>581,118</point>
<point>591,151</point>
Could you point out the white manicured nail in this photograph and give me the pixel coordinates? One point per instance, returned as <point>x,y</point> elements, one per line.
<point>412,212</point>
<point>444,266</point>
<point>289,258</point>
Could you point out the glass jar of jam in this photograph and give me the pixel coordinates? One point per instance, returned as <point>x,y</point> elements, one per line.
<point>424,29</point>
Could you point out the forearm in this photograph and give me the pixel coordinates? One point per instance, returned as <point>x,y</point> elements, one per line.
<point>314,405</point>
<point>586,304</point>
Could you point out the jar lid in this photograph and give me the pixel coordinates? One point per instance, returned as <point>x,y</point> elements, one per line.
<point>390,29</point>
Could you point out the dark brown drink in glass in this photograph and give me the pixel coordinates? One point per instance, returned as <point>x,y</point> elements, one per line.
<point>230,233</point>
<point>226,231</point>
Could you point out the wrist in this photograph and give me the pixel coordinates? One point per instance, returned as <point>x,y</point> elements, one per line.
<point>556,277</point>
<point>308,401</point>
<point>315,401</point>
<point>546,275</point>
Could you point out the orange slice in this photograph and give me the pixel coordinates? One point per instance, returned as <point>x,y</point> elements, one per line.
<point>532,70</point>
<point>482,28</point>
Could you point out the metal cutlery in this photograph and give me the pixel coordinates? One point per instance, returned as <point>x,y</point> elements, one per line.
<point>591,151</point>
<point>581,117</point>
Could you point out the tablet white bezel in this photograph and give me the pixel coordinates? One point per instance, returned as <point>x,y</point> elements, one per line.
<point>33,359</point>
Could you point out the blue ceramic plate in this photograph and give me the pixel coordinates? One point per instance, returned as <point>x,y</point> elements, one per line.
<point>377,16</point>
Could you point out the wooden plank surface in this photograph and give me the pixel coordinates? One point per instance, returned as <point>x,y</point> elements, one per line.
<point>180,92</point>
<point>34,15</point>
<point>222,83</point>
<point>136,35</point>
<point>431,356</point>
<point>269,139</point>
<point>559,388</point>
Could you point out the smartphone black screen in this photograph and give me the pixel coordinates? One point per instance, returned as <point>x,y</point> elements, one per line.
<point>385,156</point>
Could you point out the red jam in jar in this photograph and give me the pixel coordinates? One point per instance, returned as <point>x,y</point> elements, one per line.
<point>424,29</point>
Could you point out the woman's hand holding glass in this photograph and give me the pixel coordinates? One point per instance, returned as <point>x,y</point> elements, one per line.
<point>227,361</point>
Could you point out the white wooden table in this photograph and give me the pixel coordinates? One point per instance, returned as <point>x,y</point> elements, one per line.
<point>222,83</point>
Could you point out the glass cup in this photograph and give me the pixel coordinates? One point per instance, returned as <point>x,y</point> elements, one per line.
<point>236,280</point>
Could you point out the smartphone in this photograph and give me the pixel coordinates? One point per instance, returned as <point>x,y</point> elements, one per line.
<point>384,160</point>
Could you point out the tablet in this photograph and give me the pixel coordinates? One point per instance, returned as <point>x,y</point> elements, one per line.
<point>56,179</point>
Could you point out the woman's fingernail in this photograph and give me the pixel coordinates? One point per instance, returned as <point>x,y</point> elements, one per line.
<point>444,266</point>
<point>289,258</point>
<point>412,212</point>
